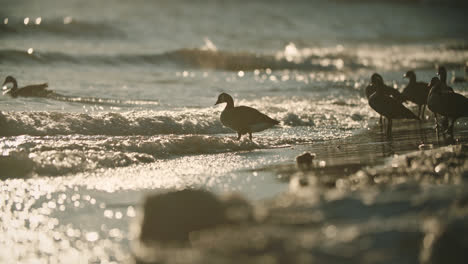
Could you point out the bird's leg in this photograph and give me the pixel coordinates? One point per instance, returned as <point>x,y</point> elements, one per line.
<point>250,136</point>
<point>419,111</point>
<point>445,123</point>
<point>436,121</point>
<point>380,120</point>
<point>423,110</point>
<point>450,129</point>
<point>238,136</point>
<point>389,127</point>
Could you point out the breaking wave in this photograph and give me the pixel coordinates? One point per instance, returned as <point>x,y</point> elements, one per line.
<point>50,156</point>
<point>290,113</point>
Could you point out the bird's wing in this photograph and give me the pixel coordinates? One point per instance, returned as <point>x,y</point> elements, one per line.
<point>455,104</point>
<point>393,92</point>
<point>252,116</point>
<point>390,107</point>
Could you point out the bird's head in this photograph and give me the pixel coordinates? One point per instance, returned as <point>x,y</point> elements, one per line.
<point>441,72</point>
<point>376,79</point>
<point>9,85</point>
<point>223,98</point>
<point>410,75</point>
<point>434,85</point>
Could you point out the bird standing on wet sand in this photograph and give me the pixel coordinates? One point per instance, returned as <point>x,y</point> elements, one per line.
<point>388,106</point>
<point>243,119</point>
<point>416,92</point>
<point>449,104</point>
<point>35,90</point>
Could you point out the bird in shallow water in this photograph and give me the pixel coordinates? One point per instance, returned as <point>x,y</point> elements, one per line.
<point>371,88</point>
<point>388,106</point>
<point>35,90</point>
<point>416,92</point>
<point>243,119</point>
<point>449,104</point>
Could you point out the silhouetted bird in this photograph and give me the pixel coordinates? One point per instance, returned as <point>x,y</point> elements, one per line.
<point>370,89</point>
<point>35,90</point>
<point>416,92</point>
<point>449,104</point>
<point>243,119</point>
<point>388,106</point>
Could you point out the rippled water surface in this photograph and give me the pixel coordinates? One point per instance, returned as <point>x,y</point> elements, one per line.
<point>132,110</point>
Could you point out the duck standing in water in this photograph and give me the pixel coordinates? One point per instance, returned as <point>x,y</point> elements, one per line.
<point>416,92</point>
<point>449,104</point>
<point>377,78</point>
<point>389,107</point>
<point>35,90</point>
<point>371,89</point>
<point>243,119</point>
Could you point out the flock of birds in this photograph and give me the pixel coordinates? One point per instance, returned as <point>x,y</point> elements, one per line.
<point>440,98</point>
<point>385,100</point>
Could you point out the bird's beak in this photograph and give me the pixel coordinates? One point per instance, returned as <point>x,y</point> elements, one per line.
<point>218,102</point>
<point>405,76</point>
<point>5,89</point>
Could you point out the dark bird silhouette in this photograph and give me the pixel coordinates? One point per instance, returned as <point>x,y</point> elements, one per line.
<point>371,88</point>
<point>390,91</point>
<point>243,119</point>
<point>35,90</point>
<point>442,73</point>
<point>449,104</point>
<point>388,106</point>
<point>416,92</point>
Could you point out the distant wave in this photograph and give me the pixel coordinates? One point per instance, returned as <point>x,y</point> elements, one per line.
<point>66,27</point>
<point>63,155</point>
<point>291,58</point>
<point>194,58</point>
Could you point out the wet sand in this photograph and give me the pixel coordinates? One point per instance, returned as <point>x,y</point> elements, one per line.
<point>368,148</point>
<point>389,201</point>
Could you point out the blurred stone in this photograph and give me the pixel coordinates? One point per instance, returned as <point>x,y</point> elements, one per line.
<point>304,161</point>
<point>171,217</point>
<point>451,246</point>
<point>15,166</point>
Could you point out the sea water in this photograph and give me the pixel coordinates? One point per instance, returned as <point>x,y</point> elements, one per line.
<point>135,84</point>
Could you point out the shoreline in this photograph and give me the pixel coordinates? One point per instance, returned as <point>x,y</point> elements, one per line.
<point>409,208</point>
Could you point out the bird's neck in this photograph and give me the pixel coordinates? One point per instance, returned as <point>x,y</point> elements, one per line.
<point>412,80</point>
<point>15,85</point>
<point>443,78</point>
<point>229,104</point>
